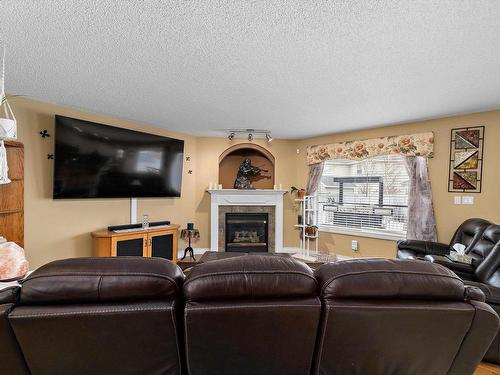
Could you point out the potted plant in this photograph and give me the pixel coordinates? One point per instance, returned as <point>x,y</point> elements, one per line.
<point>312,230</point>
<point>299,192</point>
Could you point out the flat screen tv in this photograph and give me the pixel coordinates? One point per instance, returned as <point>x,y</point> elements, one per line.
<point>100,161</point>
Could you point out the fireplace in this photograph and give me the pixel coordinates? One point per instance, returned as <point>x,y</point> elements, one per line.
<point>247,232</point>
<point>259,201</point>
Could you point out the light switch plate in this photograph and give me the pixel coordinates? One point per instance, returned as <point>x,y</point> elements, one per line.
<point>467,199</point>
<point>457,199</point>
<point>354,245</point>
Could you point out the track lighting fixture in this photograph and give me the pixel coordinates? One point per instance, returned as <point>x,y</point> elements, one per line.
<point>250,134</point>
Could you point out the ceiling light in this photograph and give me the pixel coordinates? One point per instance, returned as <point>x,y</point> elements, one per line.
<point>269,138</point>
<point>230,136</point>
<point>250,137</point>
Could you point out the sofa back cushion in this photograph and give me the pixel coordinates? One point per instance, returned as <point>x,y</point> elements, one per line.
<point>252,314</point>
<point>108,338</point>
<point>388,279</point>
<point>399,317</point>
<point>483,246</point>
<point>469,232</point>
<point>97,280</point>
<point>250,277</point>
<point>101,316</point>
<point>488,272</point>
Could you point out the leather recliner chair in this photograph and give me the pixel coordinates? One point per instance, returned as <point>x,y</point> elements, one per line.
<point>468,233</point>
<point>100,316</point>
<point>251,315</point>
<point>479,251</point>
<point>483,246</point>
<point>399,317</point>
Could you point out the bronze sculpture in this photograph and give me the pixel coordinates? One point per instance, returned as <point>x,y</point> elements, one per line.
<point>245,171</point>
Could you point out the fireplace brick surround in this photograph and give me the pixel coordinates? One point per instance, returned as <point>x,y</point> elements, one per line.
<point>246,201</point>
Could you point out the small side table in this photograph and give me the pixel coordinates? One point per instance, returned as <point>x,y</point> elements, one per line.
<point>189,234</point>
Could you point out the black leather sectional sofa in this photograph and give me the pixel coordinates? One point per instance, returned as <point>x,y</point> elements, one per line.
<point>247,315</point>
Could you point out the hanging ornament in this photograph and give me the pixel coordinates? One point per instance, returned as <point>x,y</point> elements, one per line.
<point>8,123</point>
<point>4,168</point>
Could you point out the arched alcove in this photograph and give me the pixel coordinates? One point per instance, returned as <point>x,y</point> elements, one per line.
<point>230,160</point>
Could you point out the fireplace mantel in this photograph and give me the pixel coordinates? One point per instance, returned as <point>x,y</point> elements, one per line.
<point>234,197</point>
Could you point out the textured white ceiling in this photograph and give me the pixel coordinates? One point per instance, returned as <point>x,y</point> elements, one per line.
<point>299,68</point>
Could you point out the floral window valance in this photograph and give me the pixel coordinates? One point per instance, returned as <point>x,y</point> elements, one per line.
<point>421,144</point>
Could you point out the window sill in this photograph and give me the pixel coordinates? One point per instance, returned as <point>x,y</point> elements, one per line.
<point>359,233</point>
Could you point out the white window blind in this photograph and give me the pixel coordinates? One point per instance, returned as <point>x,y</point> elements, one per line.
<point>369,196</point>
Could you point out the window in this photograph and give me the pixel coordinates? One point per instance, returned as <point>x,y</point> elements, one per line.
<point>367,197</point>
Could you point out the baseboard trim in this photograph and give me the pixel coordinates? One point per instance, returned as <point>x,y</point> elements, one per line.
<point>291,250</point>
<point>202,250</point>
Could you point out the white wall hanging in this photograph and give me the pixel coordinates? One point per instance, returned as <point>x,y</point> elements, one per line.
<point>8,125</point>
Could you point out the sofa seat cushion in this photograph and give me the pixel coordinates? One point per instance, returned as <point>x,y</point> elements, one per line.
<point>385,278</point>
<point>91,280</point>
<point>250,277</point>
<point>461,268</point>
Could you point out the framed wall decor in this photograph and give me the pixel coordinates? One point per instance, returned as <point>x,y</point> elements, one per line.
<point>466,160</point>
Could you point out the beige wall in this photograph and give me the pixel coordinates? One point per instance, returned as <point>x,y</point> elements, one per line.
<point>448,215</point>
<point>61,228</point>
<point>209,150</point>
<point>57,229</point>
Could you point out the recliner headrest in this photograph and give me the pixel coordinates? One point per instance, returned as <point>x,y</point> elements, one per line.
<point>388,279</point>
<point>250,277</point>
<point>92,280</point>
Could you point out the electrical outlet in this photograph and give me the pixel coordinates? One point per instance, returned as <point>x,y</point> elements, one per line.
<point>298,151</point>
<point>354,245</point>
<point>467,199</point>
<point>457,199</point>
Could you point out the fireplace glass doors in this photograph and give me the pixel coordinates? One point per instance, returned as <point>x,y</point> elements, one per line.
<point>247,232</point>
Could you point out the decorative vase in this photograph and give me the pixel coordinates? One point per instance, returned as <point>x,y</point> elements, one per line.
<point>301,193</point>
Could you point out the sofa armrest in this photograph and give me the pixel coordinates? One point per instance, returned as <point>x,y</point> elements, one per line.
<point>422,248</point>
<point>491,293</point>
<point>9,295</point>
<point>464,270</point>
<point>474,293</point>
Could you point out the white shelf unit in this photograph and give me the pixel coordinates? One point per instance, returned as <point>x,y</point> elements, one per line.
<point>308,207</point>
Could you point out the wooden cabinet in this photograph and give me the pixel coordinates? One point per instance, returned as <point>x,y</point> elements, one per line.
<point>12,196</point>
<point>159,242</point>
